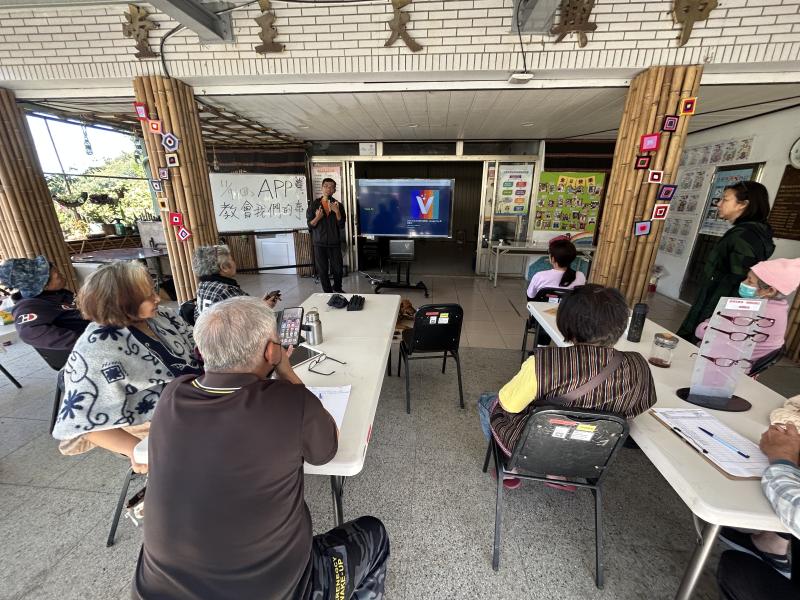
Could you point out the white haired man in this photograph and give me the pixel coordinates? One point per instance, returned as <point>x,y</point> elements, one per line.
<point>215,269</point>
<point>226,516</point>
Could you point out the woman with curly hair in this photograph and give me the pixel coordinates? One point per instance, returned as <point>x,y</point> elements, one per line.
<point>121,363</point>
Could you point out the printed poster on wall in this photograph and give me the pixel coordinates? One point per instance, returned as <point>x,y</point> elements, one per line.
<point>712,224</point>
<point>726,151</point>
<point>680,227</point>
<point>320,171</point>
<point>569,201</point>
<point>514,189</point>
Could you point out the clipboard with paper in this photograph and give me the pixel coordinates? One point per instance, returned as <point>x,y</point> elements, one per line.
<point>729,452</point>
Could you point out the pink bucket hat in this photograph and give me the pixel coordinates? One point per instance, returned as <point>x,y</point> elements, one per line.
<point>782,273</point>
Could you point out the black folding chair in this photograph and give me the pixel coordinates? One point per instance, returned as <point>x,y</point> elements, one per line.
<point>186,311</point>
<point>765,362</point>
<point>437,330</point>
<point>548,294</point>
<point>128,476</point>
<point>55,359</point>
<point>578,444</point>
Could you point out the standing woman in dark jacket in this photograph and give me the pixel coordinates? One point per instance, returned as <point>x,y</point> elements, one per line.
<point>749,241</point>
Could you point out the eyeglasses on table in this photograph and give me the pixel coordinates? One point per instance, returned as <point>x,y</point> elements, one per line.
<point>315,361</point>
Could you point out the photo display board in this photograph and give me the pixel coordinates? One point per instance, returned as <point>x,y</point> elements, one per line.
<point>568,202</point>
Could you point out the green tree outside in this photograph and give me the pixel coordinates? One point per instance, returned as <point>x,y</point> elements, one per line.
<point>137,198</point>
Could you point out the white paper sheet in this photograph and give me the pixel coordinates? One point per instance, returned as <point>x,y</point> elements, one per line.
<point>689,424</point>
<point>334,399</point>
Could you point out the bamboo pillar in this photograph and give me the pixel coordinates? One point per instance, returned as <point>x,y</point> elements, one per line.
<point>623,260</point>
<point>29,223</point>
<point>188,190</point>
<point>793,331</point>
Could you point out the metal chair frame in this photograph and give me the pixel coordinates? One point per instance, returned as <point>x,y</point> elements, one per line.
<point>504,466</point>
<point>426,352</point>
<point>128,476</point>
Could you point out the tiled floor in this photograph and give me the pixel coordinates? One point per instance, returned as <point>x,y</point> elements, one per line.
<point>422,477</point>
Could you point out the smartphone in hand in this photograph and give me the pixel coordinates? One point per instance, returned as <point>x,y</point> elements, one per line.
<point>291,323</point>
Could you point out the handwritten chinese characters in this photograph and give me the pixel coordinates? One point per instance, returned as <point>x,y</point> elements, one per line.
<point>258,202</point>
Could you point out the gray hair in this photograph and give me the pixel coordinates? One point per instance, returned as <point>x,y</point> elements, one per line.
<point>208,260</point>
<point>765,286</point>
<point>231,335</point>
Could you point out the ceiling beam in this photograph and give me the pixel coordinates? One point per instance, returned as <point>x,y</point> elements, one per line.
<point>198,17</point>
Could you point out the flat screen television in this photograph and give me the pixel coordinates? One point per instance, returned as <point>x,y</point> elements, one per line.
<point>405,207</point>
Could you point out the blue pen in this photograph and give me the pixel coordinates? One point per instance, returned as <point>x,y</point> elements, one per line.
<point>724,443</point>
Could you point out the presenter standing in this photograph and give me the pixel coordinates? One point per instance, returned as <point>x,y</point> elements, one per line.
<point>326,221</point>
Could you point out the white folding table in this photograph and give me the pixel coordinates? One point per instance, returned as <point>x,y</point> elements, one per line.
<point>712,497</point>
<point>362,339</point>
<point>498,249</point>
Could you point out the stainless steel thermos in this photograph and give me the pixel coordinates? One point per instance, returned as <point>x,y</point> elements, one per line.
<point>313,327</point>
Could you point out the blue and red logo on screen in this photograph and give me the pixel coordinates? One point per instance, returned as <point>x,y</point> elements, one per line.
<point>425,204</point>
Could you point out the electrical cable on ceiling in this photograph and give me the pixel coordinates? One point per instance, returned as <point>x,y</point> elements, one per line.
<point>519,33</point>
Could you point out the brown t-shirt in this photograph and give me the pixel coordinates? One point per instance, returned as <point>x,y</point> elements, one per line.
<point>225,515</point>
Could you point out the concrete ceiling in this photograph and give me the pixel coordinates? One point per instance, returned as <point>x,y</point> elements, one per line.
<point>484,114</point>
<point>490,114</point>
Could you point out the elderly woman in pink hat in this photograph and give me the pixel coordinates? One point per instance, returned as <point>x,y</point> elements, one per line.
<point>773,281</point>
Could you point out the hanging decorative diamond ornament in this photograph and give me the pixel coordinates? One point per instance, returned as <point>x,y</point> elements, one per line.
<point>183,234</point>
<point>170,142</point>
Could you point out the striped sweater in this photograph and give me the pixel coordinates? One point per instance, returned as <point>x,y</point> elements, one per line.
<point>552,372</point>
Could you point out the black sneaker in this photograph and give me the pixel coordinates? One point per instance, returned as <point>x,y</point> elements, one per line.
<point>739,540</point>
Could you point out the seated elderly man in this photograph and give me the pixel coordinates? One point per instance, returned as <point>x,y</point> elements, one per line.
<point>215,268</point>
<point>44,312</point>
<point>226,516</point>
<point>760,569</point>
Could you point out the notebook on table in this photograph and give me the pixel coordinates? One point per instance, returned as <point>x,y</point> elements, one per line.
<point>731,453</point>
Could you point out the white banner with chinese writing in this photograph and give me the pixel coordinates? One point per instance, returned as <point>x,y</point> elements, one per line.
<point>259,202</point>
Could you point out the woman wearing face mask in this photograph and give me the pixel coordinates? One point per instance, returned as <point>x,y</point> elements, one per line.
<point>114,376</point>
<point>748,242</point>
<point>773,281</point>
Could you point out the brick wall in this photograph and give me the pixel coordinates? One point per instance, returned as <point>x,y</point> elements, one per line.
<point>75,45</point>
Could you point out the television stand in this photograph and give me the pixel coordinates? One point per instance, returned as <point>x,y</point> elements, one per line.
<point>398,284</point>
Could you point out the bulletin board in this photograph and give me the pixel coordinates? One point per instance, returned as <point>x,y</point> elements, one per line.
<point>569,202</point>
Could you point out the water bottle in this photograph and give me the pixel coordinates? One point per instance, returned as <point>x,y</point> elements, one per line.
<point>313,328</point>
<point>637,322</point>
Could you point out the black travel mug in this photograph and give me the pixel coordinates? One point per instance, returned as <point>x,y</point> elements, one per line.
<point>637,322</point>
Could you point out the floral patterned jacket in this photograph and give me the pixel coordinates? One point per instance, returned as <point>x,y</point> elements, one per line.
<point>111,380</point>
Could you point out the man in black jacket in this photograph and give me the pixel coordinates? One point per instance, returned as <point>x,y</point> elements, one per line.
<point>44,312</point>
<point>326,219</point>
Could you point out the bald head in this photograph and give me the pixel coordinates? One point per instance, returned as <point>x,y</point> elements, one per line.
<point>231,335</point>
